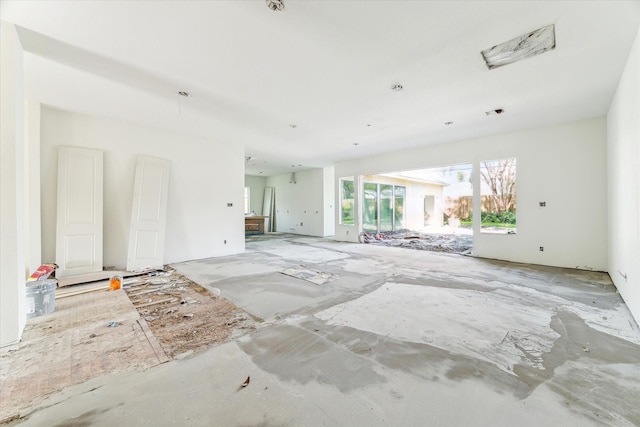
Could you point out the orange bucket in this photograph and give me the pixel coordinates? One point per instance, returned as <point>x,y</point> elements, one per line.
<point>115,283</point>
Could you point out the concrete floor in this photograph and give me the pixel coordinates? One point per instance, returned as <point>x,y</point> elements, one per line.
<point>399,338</point>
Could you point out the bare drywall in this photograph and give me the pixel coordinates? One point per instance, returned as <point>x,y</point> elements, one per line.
<point>256,186</point>
<point>32,185</point>
<point>13,268</point>
<point>623,154</point>
<point>563,165</point>
<point>301,204</point>
<point>329,195</point>
<point>206,177</point>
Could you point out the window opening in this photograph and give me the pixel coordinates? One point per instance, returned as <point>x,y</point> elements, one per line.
<point>498,196</point>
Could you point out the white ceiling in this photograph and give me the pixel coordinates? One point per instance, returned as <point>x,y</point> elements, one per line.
<point>325,66</point>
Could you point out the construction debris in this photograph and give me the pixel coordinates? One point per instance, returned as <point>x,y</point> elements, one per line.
<point>449,243</point>
<point>182,315</point>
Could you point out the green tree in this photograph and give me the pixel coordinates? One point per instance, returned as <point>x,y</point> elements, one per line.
<point>500,177</point>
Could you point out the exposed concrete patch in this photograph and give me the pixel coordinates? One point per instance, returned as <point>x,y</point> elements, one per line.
<point>507,327</point>
<point>537,346</point>
<point>301,253</point>
<point>466,322</point>
<point>294,354</point>
<point>211,270</point>
<point>428,362</point>
<point>600,392</point>
<point>313,276</point>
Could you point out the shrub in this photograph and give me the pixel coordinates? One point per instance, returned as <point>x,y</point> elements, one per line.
<point>508,217</point>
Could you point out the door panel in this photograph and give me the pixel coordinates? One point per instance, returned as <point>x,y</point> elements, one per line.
<point>79,211</point>
<point>148,214</point>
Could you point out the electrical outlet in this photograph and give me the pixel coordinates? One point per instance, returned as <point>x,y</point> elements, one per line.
<point>541,248</point>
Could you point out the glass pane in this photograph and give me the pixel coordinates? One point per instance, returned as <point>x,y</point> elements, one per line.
<point>370,208</point>
<point>347,202</point>
<point>498,195</point>
<point>398,201</point>
<point>386,207</point>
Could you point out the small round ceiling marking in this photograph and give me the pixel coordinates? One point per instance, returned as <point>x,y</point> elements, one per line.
<point>292,126</point>
<point>396,87</point>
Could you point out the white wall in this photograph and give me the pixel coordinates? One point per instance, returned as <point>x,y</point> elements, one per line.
<point>623,154</point>
<point>300,207</point>
<point>205,176</point>
<point>13,268</point>
<point>329,196</point>
<point>256,185</point>
<point>33,240</point>
<point>563,165</point>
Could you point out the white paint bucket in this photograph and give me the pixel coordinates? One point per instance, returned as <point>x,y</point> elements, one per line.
<point>41,297</point>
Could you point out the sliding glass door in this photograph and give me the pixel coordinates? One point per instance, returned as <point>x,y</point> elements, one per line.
<point>383,208</point>
<point>370,208</point>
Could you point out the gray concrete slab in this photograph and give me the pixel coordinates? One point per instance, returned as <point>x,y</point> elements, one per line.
<point>402,338</point>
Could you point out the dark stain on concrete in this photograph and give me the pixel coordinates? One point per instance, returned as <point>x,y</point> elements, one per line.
<point>294,354</point>
<point>344,357</point>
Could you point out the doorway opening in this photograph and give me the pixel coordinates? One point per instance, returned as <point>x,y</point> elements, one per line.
<point>383,207</point>
<point>428,209</point>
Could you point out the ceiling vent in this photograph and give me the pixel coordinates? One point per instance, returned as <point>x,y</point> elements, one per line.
<point>275,5</point>
<point>525,46</point>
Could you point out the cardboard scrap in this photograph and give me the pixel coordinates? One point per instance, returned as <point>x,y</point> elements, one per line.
<point>42,272</point>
